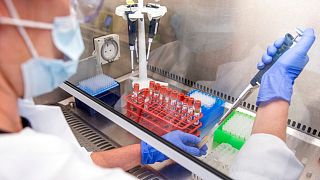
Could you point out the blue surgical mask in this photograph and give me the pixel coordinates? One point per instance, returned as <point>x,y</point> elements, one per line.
<point>41,74</point>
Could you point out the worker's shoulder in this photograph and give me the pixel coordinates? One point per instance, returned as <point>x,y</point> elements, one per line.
<point>33,155</point>
<point>31,141</point>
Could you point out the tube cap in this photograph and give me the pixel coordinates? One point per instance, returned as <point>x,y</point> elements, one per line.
<point>169,91</point>
<point>146,92</point>
<point>151,84</point>
<point>197,104</point>
<point>136,87</point>
<point>163,89</point>
<point>190,101</point>
<point>157,87</point>
<point>186,99</point>
<point>174,94</point>
<point>181,97</point>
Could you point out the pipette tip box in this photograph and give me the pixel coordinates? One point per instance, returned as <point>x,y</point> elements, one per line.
<point>236,135</point>
<point>101,87</point>
<point>220,157</point>
<point>212,107</point>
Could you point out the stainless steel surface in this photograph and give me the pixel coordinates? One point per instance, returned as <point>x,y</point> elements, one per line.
<point>88,137</point>
<point>52,97</point>
<point>309,154</point>
<point>110,129</point>
<point>145,173</point>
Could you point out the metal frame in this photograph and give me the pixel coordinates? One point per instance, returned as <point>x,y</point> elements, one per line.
<point>186,160</point>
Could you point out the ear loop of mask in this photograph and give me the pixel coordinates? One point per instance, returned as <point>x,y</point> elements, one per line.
<point>25,23</point>
<point>22,31</point>
<point>16,21</point>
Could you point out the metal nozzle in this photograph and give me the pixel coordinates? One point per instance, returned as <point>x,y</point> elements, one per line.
<point>299,32</point>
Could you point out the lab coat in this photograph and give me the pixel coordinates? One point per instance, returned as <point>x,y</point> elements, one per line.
<point>266,157</point>
<point>49,150</point>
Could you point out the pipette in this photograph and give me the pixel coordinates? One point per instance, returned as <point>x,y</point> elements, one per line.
<point>203,141</point>
<point>132,34</point>
<point>153,29</point>
<point>136,49</point>
<point>289,42</point>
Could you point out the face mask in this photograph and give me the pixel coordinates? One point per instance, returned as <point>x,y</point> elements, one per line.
<point>40,74</point>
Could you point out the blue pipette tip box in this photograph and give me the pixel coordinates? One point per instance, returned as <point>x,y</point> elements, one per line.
<point>108,94</point>
<point>211,115</point>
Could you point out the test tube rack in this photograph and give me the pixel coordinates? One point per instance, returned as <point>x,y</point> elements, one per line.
<point>158,118</point>
<point>234,136</point>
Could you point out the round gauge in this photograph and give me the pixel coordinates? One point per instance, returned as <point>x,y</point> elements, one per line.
<point>109,50</point>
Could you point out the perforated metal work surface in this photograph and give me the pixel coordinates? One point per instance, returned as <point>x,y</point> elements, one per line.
<point>93,140</point>
<point>86,135</point>
<point>144,173</point>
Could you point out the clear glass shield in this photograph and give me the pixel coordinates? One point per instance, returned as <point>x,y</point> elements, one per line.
<point>206,49</point>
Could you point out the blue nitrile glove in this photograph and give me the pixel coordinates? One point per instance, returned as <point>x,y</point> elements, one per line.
<point>277,82</point>
<point>184,141</point>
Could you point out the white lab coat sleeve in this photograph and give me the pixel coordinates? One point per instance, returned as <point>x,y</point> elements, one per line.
<point>265,156</point>
<point>30,155</point>
<point>50,120</point>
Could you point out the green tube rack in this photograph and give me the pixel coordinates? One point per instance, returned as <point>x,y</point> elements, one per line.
<point>221,136</point>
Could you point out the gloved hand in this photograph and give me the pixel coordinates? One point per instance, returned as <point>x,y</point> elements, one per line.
<point>184,141</point>
<point>277,82</point>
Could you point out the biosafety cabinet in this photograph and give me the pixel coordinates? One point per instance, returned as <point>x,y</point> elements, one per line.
<point>203,49</point>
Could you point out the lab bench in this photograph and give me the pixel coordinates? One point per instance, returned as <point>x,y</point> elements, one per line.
<point>112,124</point>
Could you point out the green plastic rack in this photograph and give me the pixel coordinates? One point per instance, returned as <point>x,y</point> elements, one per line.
<point>221,136</point>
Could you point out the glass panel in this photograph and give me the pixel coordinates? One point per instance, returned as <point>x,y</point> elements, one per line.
<point>212,45</point>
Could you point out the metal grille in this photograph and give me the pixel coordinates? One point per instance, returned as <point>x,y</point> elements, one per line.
<point>251,107</point>
<point>92,140</point>
<point>144,173</point>
<point>304,128</point>
<point>87,136</point>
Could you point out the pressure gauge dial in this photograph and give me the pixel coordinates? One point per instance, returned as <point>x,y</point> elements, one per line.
<point>107,48</point>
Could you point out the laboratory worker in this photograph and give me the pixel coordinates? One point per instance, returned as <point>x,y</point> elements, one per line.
<point>40,44</point>
<point>266,155</point>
